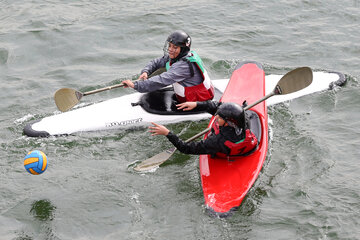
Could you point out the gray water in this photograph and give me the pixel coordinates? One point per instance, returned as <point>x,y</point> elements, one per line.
<point>308,187</point>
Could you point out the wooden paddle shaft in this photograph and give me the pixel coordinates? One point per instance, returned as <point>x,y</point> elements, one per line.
<point>259,101</point>
<point>198,135</point>
<point>157,72</point>
<point>103,89</point>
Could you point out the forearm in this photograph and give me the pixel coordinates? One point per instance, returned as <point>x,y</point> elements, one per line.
<point>201,147</point>
<point>159,81</point>
<point>155,64</point>
<point>149,85</point>
<point>208,106</point>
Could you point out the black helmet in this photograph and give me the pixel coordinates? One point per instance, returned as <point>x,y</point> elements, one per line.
<point>233,114</point>
<point>181,39</point>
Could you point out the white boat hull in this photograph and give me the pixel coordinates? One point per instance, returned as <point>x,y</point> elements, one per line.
<point>119,112</point>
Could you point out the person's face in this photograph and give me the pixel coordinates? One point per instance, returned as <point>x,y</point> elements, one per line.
<point>220,120</point>
<point>173,50</point>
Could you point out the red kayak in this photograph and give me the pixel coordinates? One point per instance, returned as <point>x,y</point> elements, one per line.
<point>225,182</point>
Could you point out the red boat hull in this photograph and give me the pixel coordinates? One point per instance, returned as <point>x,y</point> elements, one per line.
<point>225,183</point>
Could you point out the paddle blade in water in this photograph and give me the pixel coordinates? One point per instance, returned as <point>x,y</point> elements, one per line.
<point>66,98</point>
<point>294,80</point>
<point>155,161</point>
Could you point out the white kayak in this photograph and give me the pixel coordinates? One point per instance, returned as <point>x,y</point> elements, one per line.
<point>137,109</point>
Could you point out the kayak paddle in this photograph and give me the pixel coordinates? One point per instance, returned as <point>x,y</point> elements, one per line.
<point>158,159</point>
<point>66,98</point>
<point>293,81</point>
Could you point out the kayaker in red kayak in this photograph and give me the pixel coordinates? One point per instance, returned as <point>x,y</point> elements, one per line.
<point>184,70</point>
<point>229,136</point>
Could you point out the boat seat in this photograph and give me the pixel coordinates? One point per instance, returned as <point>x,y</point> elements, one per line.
<point>163,102</point>
<point>254,124</point>
<point>255,127</point>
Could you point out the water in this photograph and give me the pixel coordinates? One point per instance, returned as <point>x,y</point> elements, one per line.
<point>308,187</point>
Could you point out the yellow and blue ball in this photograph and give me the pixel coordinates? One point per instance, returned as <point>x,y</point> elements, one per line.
<point>35,162</point>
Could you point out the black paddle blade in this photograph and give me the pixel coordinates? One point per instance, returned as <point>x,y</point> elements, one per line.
<point>294,80</point>
<point>66,98</point>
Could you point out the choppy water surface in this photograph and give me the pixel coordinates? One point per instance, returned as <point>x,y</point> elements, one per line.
<point>308,187</point>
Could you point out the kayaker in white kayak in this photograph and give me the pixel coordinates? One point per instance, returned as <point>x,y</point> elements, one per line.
<point>184,70</point>
<point>229,136</point>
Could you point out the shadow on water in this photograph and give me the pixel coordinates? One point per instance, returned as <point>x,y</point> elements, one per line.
<point>43,210</point>
<point>36,219</point>
<point>4,54</point>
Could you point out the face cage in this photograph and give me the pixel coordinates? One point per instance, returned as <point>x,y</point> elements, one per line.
<point>166,48</point>
<point>238,131</point>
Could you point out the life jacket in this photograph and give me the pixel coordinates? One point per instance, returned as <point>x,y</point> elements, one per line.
<point>201,92</point>
<point>240,148</point>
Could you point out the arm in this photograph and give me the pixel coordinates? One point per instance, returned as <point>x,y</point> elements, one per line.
<point>153,65</point>
<point>178,72</point>
<point>211,145</point>
<point>209,106</point>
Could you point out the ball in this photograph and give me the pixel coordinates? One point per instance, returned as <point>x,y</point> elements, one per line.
<point>35,162</point>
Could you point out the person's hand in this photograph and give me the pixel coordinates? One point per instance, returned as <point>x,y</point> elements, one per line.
<point>128,83</point>
<point>186,106</point>
<point>158,130</point>
<point>143,76</point>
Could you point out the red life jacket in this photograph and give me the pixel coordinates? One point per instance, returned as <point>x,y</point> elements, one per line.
<point>239,148</point>
<point>198,93</point>
<point>201,92</point>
